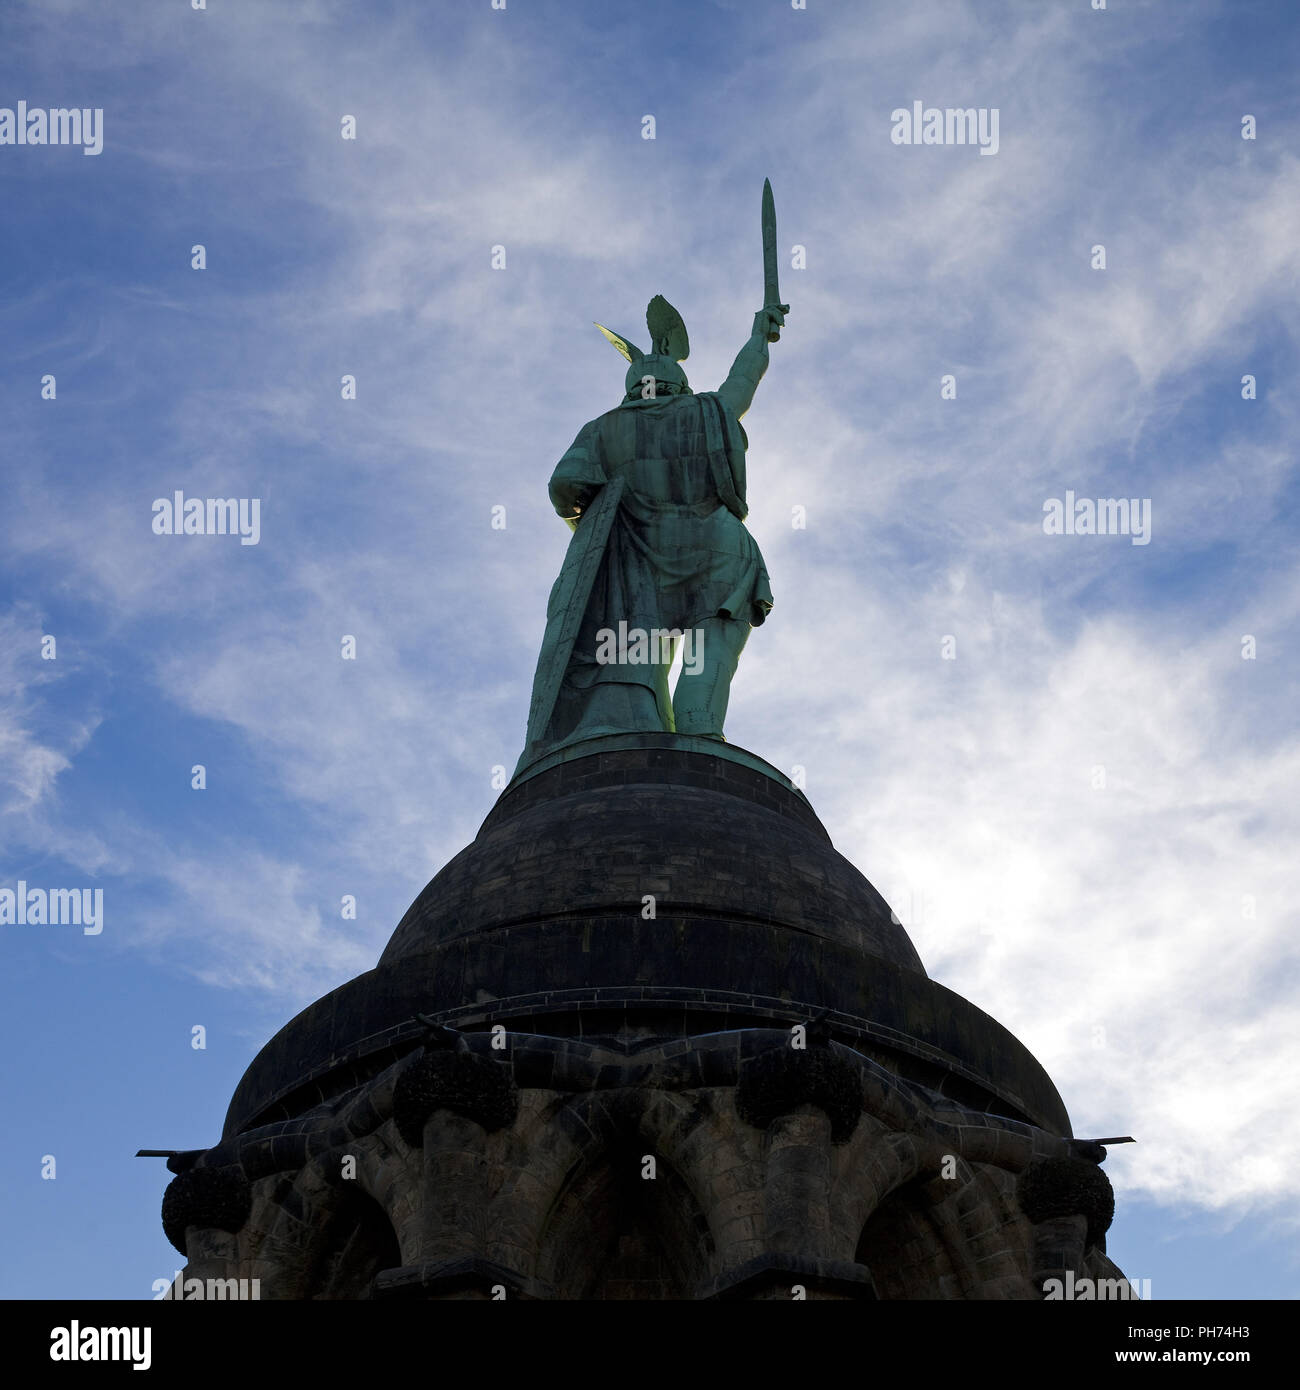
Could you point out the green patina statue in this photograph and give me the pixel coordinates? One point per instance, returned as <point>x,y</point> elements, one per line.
<point>654,491</point>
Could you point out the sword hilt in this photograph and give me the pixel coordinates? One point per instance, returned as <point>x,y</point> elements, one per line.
<point>774,334</point>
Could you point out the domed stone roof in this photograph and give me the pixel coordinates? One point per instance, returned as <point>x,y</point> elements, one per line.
<point>705,833</point>
<point>640,887</point>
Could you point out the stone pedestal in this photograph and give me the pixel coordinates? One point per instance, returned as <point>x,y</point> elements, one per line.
<point>681,1049</point>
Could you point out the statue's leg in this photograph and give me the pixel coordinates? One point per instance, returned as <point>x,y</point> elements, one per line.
<point>704,686</point>
<point>612,707</point>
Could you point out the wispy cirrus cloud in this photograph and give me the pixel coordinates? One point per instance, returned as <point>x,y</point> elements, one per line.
<point>963,787</point>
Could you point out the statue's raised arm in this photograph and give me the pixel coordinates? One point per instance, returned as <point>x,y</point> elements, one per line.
<point>751,361</point>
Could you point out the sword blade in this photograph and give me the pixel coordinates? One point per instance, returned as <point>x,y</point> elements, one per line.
<point>771,287</point>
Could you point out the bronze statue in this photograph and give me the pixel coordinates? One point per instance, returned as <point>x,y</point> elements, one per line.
<point>655,493</point>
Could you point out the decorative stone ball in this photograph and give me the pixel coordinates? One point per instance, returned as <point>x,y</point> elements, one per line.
<point>462,1082</point>
<point>213,1198</point>
<point>776,1082</point>
<point>1067,1187</point>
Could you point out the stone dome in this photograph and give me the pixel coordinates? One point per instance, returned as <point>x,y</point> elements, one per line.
<point>646,887</point>
<point>708,834</point>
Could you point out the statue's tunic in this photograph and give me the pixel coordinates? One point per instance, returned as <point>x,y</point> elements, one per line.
<point>677,553</point>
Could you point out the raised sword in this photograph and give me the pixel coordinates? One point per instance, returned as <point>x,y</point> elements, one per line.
<point>771,286</point>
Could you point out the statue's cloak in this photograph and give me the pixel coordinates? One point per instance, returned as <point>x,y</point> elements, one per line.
<point>655,491</point>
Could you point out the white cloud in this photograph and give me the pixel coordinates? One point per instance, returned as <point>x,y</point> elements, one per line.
<point>1118,909</point>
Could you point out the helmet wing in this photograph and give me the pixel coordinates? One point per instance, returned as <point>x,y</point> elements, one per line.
<point>629,350</point>
<point>667,331</point>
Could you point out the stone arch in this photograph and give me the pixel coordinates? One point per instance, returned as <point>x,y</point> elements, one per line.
<point>874,1163</point>
<point>611,1233</point>
<point>905,1252</point>
<point>389,1171</point>
<point>718,1158</point>
<point>937,1238</point>
<point>356,1244</point>
<point>326,1239</point>
<point>548,1144</point>
<point>1003,1249</point>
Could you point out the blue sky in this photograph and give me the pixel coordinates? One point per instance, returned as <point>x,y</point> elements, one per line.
<point>1139,935</point>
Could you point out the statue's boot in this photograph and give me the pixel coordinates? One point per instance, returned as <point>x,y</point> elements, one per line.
<point>613,707</point>
<point>700,700</point>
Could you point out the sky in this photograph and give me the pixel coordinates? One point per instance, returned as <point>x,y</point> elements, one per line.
<point>1069,761</point>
